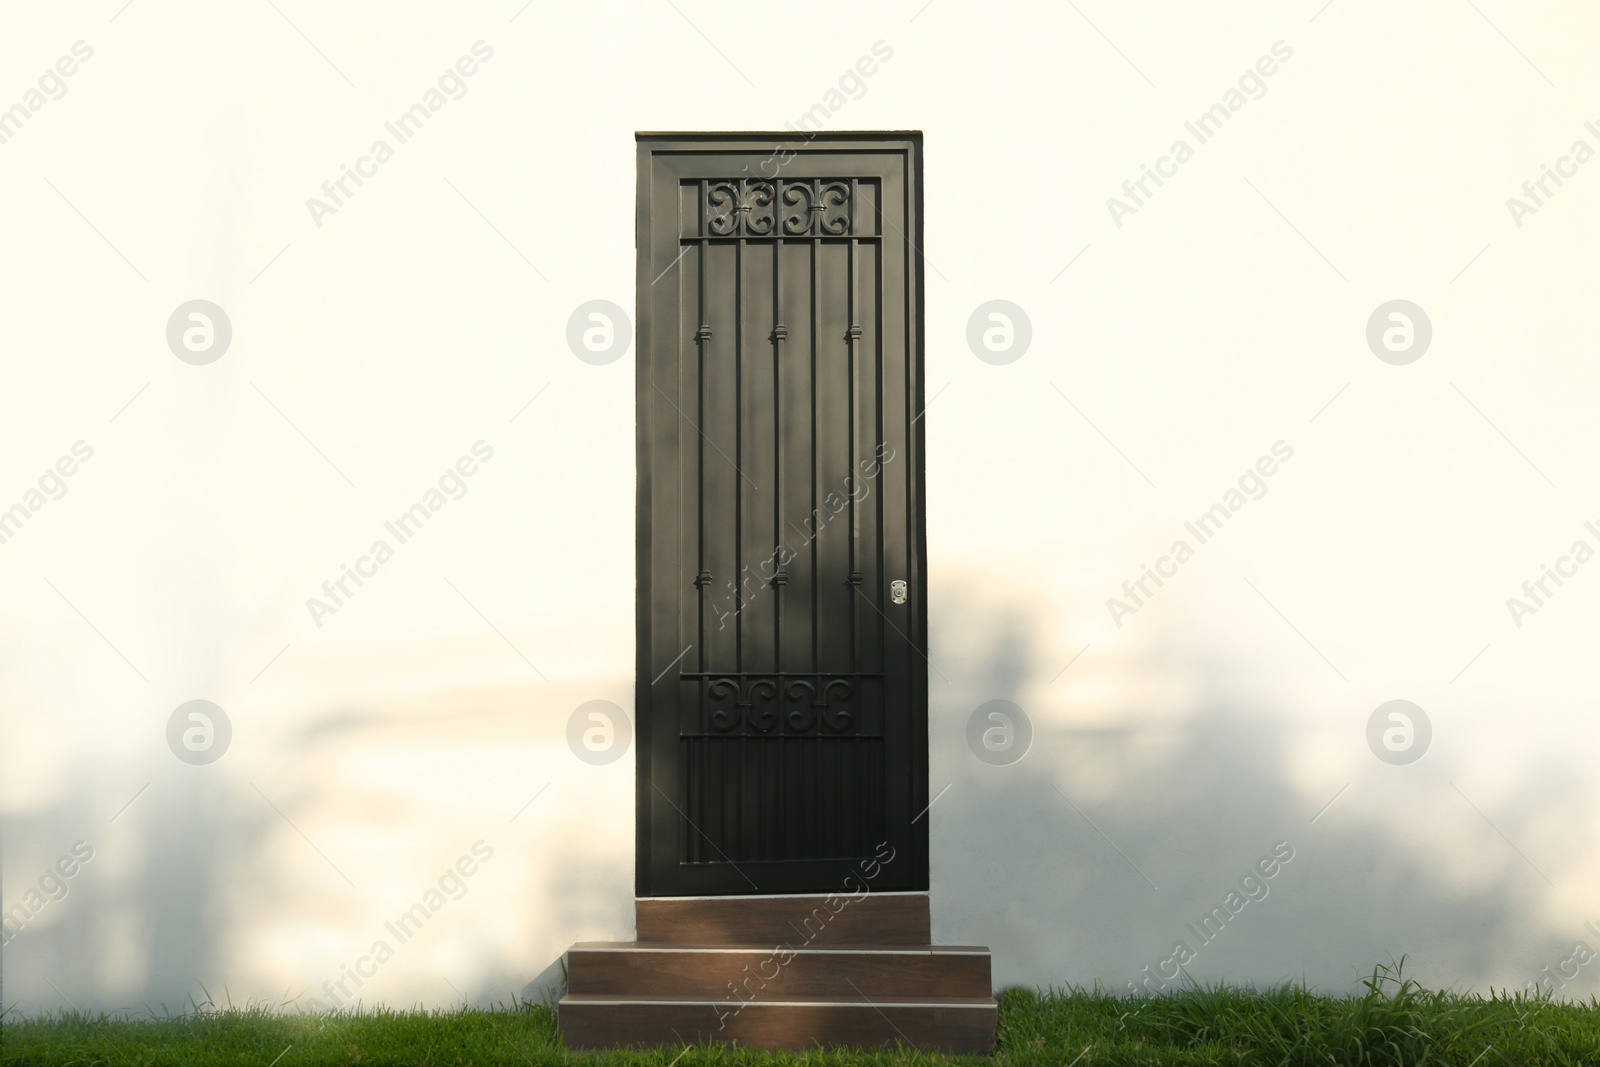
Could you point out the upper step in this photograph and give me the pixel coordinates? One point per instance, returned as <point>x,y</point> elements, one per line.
<point>738,973</point>
<point>799,921</point>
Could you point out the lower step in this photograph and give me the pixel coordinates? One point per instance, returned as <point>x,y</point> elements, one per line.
<point>731,973</point>
<point>945,1024</point>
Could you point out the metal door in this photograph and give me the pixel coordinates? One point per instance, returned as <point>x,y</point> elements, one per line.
<point>782,670</point>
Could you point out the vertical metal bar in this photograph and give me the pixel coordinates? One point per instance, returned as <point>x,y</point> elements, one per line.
<point>700,420</point>
<point>701,685</point>
<point>816,764</point>
<point>856,821</point>
<point>816,578</point>
<point>878,432</point>
<point>860,826</point>
<point>780,333</point>
<point>736,839</point>
<point>852,337</point>
<point>738,449</point>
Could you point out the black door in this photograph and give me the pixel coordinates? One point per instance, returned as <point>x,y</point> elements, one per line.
<point>782,670</point>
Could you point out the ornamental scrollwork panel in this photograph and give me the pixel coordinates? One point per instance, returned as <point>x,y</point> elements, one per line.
<point>759,207</point>
<point>800,704</point>
<point>740,208</point>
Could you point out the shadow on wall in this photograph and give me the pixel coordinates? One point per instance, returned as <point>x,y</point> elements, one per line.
<point>139,927</point>
<point>582,905</point>
<point>1158,777</point>
<point>225,883</point>
<point>548,884</point>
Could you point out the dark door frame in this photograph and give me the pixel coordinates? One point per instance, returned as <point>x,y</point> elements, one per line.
<point>909,870</point>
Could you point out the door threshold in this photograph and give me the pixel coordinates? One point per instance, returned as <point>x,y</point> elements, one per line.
<point>786,896</point>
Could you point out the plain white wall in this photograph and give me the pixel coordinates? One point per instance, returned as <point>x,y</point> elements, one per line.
<point>368,353</point>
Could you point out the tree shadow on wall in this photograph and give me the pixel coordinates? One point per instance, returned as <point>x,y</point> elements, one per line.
<point>1158,776</point>
<point>139,927</point>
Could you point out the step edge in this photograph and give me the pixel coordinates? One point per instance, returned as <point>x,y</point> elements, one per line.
<point>843,950</point>
<point>789,896</point>
<point>605,1000</point>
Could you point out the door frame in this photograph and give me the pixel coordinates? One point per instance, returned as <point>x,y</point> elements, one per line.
<point>910,872</point>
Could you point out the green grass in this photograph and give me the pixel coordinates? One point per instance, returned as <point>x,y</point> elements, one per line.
<point>1395,1022</point>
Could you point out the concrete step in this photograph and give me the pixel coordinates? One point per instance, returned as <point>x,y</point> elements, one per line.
<point>734,973</point>
<point>949,1024</point>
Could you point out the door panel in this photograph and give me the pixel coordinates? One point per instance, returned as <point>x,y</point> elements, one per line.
<point>782,694</point>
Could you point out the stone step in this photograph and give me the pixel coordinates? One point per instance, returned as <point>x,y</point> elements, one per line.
<point>811,920</point>
<point>948,1024</point>
<point>734,973</point>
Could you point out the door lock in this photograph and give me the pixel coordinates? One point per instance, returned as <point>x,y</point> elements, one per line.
<point>897,591</point>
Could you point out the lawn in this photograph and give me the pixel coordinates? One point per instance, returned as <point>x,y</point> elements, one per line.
<point>1395,1022</point>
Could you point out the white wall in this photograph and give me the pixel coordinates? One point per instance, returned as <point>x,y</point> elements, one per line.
<point>1228,313</point>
